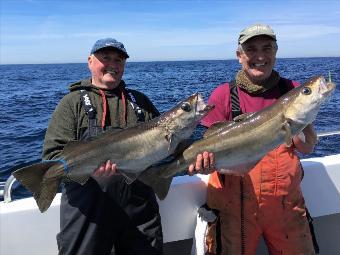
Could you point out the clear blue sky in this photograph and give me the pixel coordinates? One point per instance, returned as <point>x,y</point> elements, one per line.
<point>63,31</point>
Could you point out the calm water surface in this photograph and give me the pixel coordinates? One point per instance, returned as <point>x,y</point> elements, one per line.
<point>29,94</point>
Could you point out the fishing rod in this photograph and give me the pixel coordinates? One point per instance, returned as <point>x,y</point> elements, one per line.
<point>329,133</point>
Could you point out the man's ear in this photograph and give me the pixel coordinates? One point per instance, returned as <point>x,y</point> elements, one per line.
<point>89,60</point>
<point>238,55</point>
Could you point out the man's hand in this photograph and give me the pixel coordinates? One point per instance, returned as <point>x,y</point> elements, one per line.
<point>205,164</point>
<point>306,140</point>
<point>105,170</point>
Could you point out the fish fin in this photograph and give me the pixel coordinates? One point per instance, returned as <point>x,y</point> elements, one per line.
<point>180,148</point>
<point>81,179</point>
<point>168,137</point>
<point>243,116</point>
<point>161,187</point>
<point>216,127</point>
<point>152,178</point>
<point>129,177</point>
<point>240,170</point>
<point>46,194</point>
<point>34,179</point>
<point>156,178</point>
<point>288,133</point>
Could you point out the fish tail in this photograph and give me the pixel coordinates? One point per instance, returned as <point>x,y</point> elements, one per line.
<point>42,179</point>
<point>161,187</point>
<point>153,179</point>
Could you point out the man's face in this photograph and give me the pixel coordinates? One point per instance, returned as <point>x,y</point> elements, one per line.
<point>257,58</point>
<point>107,68</point>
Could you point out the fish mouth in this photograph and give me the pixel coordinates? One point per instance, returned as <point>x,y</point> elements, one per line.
<point>325,87</point>
<point>207,109</point>
<point>201,107</point>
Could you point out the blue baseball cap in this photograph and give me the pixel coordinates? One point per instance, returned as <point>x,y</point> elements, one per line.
<point>109,43</point>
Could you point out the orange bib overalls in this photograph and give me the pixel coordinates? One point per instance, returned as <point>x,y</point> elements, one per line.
<point>268,201</point>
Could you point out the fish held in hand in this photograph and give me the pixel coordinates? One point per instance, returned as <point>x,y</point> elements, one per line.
<point>238,146</point>
<point>133,150</point>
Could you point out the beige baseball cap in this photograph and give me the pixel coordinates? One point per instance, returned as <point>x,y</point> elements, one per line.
<point>256,30</point>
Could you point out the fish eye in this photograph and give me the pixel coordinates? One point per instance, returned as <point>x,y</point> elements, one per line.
<point>306,91</point>
<point>186,107</point>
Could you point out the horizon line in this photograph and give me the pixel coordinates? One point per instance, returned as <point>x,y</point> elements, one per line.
<point>150,61</point>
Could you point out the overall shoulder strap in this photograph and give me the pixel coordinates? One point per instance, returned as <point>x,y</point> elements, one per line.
<point>235,111</point>
<point>89,110</point>
<point>132,99</point>
<point>235,102</point>
<point>85,99</point>
<point>284,86</point>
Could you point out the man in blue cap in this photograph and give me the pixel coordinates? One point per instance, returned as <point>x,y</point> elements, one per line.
<point>104,216</point>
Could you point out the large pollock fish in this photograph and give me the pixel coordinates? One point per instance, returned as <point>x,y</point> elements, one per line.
<point>133,150</point>
<point>238,146</point>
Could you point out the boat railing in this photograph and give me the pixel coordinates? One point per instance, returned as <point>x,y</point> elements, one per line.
<point>7,189</point>
<point>2,187</point>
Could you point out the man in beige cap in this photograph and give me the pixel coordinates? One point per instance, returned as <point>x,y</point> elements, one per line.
<point>268,201</point>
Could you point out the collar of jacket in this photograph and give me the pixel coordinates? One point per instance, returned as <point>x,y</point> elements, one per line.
<point>244,83</point>
<point>87,85</point>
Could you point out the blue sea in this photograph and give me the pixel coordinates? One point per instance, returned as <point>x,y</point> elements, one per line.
<point>29,94</point>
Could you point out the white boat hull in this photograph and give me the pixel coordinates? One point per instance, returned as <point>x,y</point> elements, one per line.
<point>24,230</point>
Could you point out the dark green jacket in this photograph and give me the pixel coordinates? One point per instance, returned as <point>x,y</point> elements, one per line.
<point>69,118</point>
